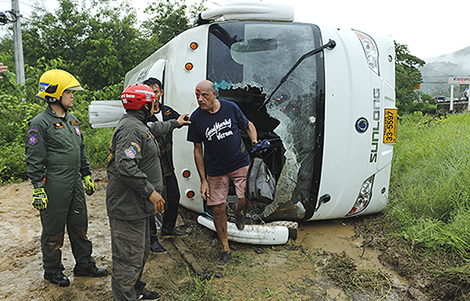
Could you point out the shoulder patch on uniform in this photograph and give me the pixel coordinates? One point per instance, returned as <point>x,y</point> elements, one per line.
<point>32,130</point>
<point>136,146</point>
<point>74,122</point>
<point>130,152</point>
<point>167,112</point>
<point>58,125</point>
<point>33,139</point>
<point>77,130</point>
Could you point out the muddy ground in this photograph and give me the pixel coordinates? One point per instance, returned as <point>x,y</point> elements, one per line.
<point>330,260</point>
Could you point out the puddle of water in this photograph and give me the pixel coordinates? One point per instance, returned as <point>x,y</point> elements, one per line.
<point>272,275</point>
<point>336,237</point>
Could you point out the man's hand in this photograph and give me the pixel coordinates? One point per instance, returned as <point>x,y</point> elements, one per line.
<point>39,199</point>
<point>89,184</point>
<point>183,120</point>
<point>3,69</point>
<point>157,201</point>
<point>204,190</point>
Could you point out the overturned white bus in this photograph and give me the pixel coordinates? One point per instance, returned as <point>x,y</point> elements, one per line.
<point>324,97</point>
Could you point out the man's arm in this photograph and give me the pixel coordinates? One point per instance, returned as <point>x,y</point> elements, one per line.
<point>85,168</point>
<point>160,129</point>
<point>252,133</point>
<point>199,159</point>
<point>35,150</point>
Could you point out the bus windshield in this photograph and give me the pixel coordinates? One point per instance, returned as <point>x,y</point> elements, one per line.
<point>246,62</point>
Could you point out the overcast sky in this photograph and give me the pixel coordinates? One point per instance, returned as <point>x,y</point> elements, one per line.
<point>428,28</point>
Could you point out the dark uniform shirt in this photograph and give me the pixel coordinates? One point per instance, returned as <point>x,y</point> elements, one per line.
<point>55,152</point>
<point>134,168</point>
<point>166,142</point>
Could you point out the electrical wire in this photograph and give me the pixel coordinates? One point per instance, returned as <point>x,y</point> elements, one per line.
<point>7,16</point>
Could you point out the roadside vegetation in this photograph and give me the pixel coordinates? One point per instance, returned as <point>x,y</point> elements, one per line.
<point>429,203</point>
<point>430,191</point>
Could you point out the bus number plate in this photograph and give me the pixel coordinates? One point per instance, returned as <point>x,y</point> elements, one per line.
<point>390,126</point>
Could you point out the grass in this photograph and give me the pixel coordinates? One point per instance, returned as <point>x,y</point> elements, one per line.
<point>429,191</point>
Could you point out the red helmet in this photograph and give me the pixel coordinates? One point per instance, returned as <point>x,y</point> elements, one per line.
<point>134,96</point>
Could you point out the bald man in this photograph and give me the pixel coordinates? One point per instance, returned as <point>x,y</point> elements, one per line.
<point>215,126</point>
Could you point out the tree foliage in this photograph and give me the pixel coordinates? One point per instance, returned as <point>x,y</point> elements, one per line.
<point>168,19</point>
<point>408,76</point>
<point>98,42</point>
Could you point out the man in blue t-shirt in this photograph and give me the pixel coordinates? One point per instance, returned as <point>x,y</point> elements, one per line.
<point>217,124</point>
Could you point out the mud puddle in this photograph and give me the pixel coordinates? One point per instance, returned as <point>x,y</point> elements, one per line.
<point>275,274</point>
<point>337,236</point>
<point>288,274</point>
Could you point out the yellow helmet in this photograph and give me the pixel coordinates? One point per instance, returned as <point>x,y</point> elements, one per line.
<point>53,83</point>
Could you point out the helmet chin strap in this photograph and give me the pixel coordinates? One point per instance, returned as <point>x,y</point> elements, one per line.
<point>146,110</point>
<point>61,105</point>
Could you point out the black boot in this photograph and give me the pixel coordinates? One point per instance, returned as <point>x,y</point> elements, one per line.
<point>157,247</point>
<point>60,279</point>
<point>90,271</point>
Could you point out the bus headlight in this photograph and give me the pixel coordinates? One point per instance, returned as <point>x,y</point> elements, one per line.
<point>370,50</point>
<point>363,198</point>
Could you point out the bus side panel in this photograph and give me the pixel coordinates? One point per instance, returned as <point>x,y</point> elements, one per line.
<point>179,87</point>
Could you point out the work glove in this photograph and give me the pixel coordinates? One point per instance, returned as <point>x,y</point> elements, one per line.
<point>39,199</point>
<point>89,185</point>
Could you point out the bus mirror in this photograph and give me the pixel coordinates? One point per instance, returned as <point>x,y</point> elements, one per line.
<point>254,45</point>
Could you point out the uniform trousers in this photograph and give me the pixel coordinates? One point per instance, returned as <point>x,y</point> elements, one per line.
<point>130,248</point>
<point>172,199</point>
<point>66,207</point>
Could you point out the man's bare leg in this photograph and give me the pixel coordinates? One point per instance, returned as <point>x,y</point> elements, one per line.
<point>220,222</point>
<point>241,205</point>
<point>239,217</point>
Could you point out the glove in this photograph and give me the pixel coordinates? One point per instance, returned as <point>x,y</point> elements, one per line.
<point>89,184</point>
<point>39,199</point>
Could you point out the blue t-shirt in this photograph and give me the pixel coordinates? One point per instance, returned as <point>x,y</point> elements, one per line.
<point>224,149</point>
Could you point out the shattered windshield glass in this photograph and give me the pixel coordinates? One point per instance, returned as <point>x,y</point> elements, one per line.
<point>247,55</point>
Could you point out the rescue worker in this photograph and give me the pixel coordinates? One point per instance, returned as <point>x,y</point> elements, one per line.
<point>172,192</point>
<point>56,163</point>
<point>135,185</point>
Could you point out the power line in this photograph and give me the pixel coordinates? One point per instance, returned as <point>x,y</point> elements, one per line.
<point>7,16</point>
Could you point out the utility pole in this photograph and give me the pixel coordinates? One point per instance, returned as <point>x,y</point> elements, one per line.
<point>18,41</point>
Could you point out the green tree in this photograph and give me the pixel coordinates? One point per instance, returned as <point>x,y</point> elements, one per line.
<point>168,18</point>
<point>98,41</point>
<point>97,45</point>
<point>408,77</point>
